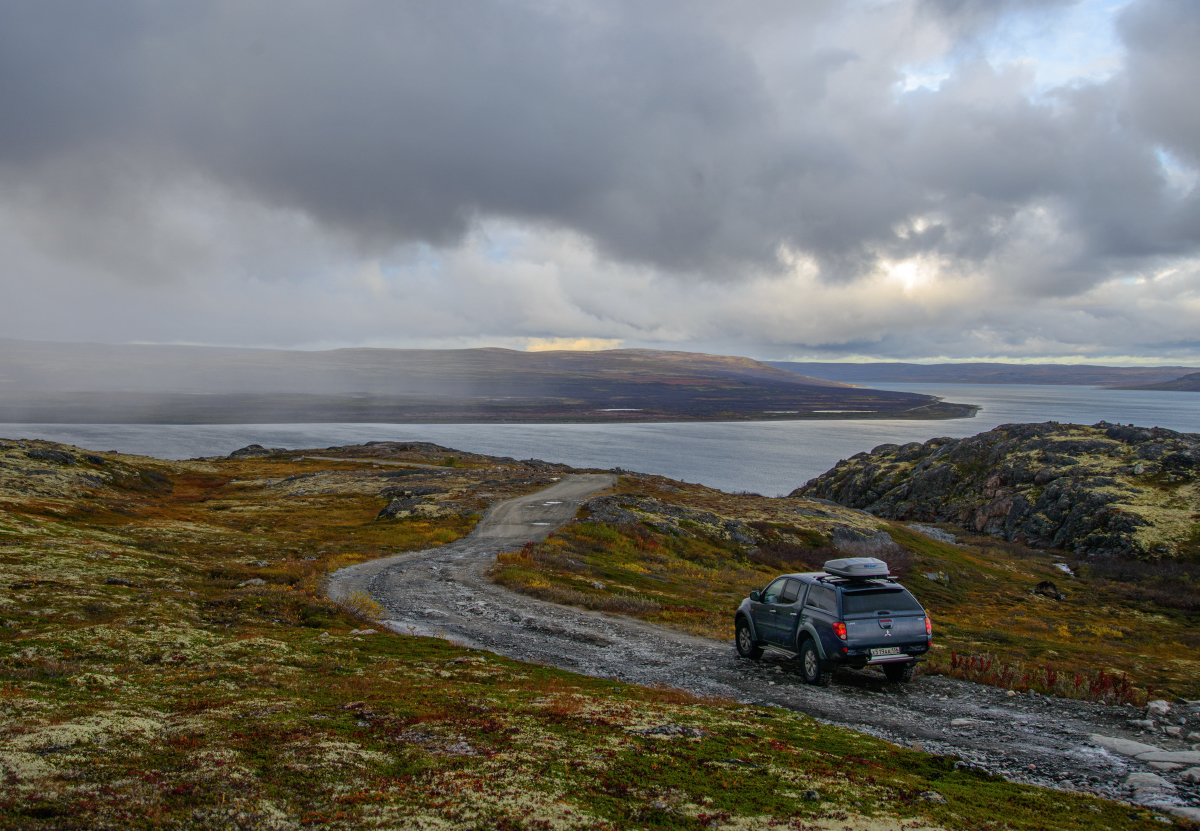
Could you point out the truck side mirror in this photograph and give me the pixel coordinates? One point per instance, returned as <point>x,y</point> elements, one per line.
<point>754,596</point>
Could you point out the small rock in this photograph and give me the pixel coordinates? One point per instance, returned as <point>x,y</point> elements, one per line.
<point>323,636</point>
<point>1148,782</point>
<point>659,805</point>
<point>1191,776</point>
<point>1158,708</point>
<point>260,563</point>
<point>1048,589</point>
<point>671,730</point>
<point>1193,737</point>
<point>119,581</point>
<point>961,722</point>
<point>1124,747</point>
<point>1142,723</point>
<point>931,796</point>
<point>597,585</point>
<point>811,796</point>
<point>1011,693</point>
<point>1165,766</point>
<point>1183,757</point>
<point>1173,731</point>
<point>363,632</point>
<point>253,581</point>
<point>250,450</point>
<point>57,456</point>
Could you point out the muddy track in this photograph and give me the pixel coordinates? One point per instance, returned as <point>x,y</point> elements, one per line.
<point>445,592</point>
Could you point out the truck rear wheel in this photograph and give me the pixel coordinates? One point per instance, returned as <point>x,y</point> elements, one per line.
<point>899,673</point>
<point>746,646</point>
<point>815,671</point>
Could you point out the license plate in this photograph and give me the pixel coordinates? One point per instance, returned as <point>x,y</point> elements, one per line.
<point>885,650</point>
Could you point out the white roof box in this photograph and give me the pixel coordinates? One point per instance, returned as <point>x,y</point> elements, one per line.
<point>857,568</point>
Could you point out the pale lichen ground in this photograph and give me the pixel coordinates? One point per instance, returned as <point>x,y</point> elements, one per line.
<point>145,683</point>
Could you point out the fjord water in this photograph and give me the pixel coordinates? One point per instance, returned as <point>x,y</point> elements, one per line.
<point>770,457</point>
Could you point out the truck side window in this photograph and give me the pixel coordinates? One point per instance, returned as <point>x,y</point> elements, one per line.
<point>790,592</point>
<point>771,595</point>
<point>823,598</point>
<point>813,593</point>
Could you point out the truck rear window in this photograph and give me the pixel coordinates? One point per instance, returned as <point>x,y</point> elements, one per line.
<point>880,600</point>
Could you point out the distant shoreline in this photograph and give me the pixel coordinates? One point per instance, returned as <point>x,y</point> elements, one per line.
<point>182,408</point>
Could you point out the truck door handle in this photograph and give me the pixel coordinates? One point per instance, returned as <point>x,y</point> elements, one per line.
<point>774,611</point>
<point>793,614</point>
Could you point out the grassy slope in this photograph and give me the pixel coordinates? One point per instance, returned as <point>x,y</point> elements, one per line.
<point>142,685</point>
<point>990,626</point>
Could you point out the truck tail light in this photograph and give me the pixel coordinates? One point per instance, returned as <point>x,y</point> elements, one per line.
<point>839,629</point>
<point>928,626</point>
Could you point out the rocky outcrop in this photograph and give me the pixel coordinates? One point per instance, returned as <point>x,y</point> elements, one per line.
<point>1098,491</point>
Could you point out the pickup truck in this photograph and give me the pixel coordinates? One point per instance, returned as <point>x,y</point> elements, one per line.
<point>853,614</point>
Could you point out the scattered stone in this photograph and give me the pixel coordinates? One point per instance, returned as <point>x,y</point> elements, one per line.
<point>260,564</point>
<point>400,508</point>
<point>1165,766</point>
<point>671,730</point>
<point>250,450</point>
<point>119,581</point>
<point>253,581</point>
<point>597,585</point>
<point>1148,782</point>
<point>1193,737</point>
<point>937,576</point>
<point>811,796</point>
<point>935,533</point>
<point>1173,731</point>
<point>56,456</point>
<point>1124,747</point>
<point>1048,589</point>
<point>1158,708</point>
<point>1011,693</point>
<point>1183,757</point>
<point>1182,811</point>
<point>931,796</point>
<point>961,722</point>
<point>363,632</point>
<point>1191,776</point>
<point>1142,723</point>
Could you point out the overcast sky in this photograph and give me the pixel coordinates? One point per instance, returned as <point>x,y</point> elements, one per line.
<point>805,179</point>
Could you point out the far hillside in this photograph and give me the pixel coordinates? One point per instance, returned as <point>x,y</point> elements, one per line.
<point>105,383</point>
<point>1188,383</point>
<point>991,373</point>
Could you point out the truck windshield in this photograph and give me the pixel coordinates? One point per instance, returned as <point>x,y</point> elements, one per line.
<point>879,600</point>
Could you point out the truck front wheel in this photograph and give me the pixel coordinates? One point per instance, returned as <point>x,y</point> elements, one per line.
<point>746,646</point>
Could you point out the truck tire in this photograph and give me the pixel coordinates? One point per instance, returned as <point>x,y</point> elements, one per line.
<point>746,646</point>
<point>815,671</point>
<point>899,673</point>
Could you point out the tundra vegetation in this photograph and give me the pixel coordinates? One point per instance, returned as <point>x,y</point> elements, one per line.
<point>167,660</point>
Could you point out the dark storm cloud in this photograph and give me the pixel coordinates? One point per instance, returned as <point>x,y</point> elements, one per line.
<point>686,137</point>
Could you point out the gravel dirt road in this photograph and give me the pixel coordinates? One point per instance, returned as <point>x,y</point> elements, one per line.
<point>445,592</point>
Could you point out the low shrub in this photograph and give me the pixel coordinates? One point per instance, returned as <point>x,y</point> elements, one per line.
<point>1090,685</point>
